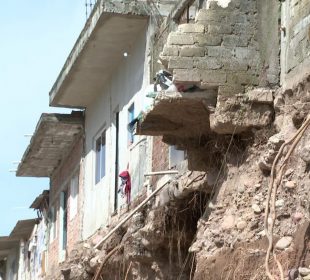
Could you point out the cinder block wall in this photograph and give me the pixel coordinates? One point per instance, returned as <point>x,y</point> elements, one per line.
<point>224,48</point>
<point>59,182</point>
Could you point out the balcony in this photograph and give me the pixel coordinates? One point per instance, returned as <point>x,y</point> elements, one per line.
<point>110,31</point>
<point>179,115</point>
<point>53,139</point>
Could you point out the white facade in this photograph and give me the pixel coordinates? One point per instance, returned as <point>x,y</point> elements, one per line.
<point>126,87</point>
<point>12,264</point>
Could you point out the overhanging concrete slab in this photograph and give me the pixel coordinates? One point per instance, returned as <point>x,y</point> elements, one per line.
<point>53,138</point>
<point>182,115</point>
<point>6,244</point>
<point>111,30</point>
<point>41,200</point>
<point>23,229</point>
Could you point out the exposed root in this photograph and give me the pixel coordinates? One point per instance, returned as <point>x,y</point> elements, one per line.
<point>110,254</point>
<point>275,182</point>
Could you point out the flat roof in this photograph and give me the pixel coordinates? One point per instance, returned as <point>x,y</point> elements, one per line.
<point>7,243</point>
<point>40,199</point>
<point>110,31</point>
<point>52,140</point>
<point>23,229</point>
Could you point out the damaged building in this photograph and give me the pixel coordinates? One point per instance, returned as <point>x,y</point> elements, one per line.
<point>187,153</point>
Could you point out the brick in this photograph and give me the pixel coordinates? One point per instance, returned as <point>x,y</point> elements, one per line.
<point>186,76</point>
<point>242,78</point>
<point>170,51</point>
<point>208,40</point>
<point>244,28</point>
<point>220,28</point>
<point>180,39</point>
<point>208,63</point>
<point>235,41</point>
<point>191,28</point>
<point>220,51</point>
<point>192,51</point>
<point>234,64</point>
<point>229,90</point>
<point>180,63</point>
<point>214,76</point>
<point>250,56</point>
<point>260,95</point>
<point>209,16</point>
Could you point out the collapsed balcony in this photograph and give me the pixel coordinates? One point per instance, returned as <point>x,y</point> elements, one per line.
<point>178,114</point>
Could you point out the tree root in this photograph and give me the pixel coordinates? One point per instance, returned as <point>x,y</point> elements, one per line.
<point>274,183</point>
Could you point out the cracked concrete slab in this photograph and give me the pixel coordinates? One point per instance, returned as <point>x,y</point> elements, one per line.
<point>53,138</point>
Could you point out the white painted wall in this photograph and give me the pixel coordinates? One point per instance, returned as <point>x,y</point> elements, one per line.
<point>127,85</point>
<point>12,265</point>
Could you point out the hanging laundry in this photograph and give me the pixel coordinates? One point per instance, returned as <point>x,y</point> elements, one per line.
<point>125,187</point>
<point>131,125</point>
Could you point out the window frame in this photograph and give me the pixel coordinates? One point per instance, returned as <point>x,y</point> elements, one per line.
<point>130,118</point>
<point>74,201</point>
<point>100,162</point>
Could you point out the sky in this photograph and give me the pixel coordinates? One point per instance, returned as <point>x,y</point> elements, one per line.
<point>35,40</point>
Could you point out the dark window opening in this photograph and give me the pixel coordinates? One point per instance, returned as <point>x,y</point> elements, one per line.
<point>100,157</point>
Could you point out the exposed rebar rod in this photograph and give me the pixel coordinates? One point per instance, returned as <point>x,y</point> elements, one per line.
<point>161,172</point>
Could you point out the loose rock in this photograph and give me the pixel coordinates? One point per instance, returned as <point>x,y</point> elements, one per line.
<point>304,271</point>
<point>290,185</point>
<point>256,209</point>
<point>280,203</point>
<point>241,225</point>
<point>284,242</point>
<point>228,222</point>
<point>297,217</point>
<point>305,154</point>
<point>293,274</point>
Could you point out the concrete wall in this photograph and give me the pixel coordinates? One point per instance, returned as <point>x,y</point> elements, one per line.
<point>295,41</point>
<point>127,85</point>
<point>39,252</point>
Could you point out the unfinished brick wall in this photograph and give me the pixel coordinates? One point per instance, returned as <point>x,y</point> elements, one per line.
<point>60,181</point>
<point>160,156</point>
<point>221,49</point>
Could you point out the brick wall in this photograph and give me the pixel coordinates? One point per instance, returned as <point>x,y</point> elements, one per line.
<point>223,49</point>
<point>60,181</point>
<point>160,157</point>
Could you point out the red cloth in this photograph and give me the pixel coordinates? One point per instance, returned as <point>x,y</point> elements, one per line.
<point>125,175</point>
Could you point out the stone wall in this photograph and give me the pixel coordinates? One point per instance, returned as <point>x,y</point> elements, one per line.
<point>222,49</point>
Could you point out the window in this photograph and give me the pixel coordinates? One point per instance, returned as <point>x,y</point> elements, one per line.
<point>63,222</point>
<point>52,224</point>
<point>175,156</point>
<point>63,219</point>
<point>74,192</point>
<point>100,156</point>
<point>131,117</point>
